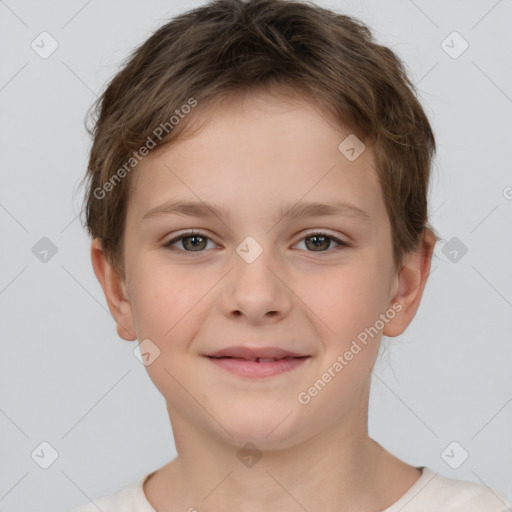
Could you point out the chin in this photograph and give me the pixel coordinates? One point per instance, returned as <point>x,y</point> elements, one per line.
<point>267,428</point>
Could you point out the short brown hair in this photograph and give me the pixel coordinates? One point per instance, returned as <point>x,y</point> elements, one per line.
<point>227,46</point>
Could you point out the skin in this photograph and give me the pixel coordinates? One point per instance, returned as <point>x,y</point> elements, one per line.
<point>256,153</point>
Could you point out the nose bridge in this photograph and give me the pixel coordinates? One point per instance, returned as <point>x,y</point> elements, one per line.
<point>255,288</point>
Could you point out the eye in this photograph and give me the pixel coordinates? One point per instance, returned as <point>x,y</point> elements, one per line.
<point>320,242</point>
<point>190,242</point>
<point>193,241</point>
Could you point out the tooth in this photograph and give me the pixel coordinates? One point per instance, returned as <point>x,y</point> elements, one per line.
<point>266,359</point>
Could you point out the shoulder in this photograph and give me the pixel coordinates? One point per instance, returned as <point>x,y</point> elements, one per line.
<point>130,498</point>
<point>436,492</point>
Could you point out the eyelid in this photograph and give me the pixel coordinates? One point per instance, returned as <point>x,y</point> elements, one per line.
<point>325,232</point>
<point>342,244</point>
<point>185,234</point>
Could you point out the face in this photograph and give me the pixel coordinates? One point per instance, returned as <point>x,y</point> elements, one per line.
<point>250,275</point>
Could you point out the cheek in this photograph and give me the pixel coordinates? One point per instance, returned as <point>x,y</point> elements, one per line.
<point>346,299</point>
<point>168,304</point>
<point>165,314</point>
<point>151,307</point>
<point>157,300</point>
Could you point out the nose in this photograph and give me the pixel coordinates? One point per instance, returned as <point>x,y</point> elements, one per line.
<point>257,291</point>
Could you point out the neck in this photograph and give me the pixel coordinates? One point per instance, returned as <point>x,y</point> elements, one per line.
<point>339,469</point>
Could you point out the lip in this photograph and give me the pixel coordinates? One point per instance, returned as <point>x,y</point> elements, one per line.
<point>245,361</point>
<point>254,353</point>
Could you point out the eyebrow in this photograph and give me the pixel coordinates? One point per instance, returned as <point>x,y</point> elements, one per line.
<point>290,210</point>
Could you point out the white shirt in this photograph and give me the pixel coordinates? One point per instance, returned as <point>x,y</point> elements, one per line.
<point>430,493</point>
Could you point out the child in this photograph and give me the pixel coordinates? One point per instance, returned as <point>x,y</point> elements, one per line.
<point>257,199</point>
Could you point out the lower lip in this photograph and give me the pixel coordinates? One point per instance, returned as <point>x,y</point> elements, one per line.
<point>245,368</point>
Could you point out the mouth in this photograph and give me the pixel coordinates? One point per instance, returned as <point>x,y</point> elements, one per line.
<point>257,359</point>
<point>256,363</point>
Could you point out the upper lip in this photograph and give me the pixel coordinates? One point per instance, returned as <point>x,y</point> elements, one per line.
<point>255,353</point>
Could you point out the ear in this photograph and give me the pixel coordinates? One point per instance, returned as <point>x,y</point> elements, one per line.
<point>409,284</point>
<point>114,289</point>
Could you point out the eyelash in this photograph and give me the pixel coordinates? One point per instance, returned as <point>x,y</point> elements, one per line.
<point>168,245</point>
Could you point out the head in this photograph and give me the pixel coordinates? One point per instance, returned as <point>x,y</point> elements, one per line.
<point>250,109</point>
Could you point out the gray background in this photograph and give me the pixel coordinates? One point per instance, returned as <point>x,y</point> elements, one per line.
<point>66,377</point>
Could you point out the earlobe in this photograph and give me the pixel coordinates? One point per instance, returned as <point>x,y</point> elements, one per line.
<point>115,292</point>
<point>409,285</point>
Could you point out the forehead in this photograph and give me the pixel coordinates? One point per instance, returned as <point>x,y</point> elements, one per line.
<point>266,148</point>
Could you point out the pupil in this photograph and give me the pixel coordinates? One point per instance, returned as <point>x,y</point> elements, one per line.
<point>195,240</point>
<point>319,241</point>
